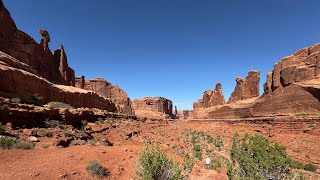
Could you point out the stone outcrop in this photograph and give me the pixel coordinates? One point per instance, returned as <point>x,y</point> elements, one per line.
<point>211,98</point>
<point>25,49</point>
<point>18,80</point>
<point>301,66</point>
<point>153,107</point>
<point>185,115</point>
<point>24,115</point>
<point>107,90</point>
<point>292,91</point>
<point>246,88</point>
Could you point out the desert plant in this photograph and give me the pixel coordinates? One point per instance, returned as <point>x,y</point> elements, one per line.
<point>310,167</point>
<point>2,128</point>
<point>77,142</point>
<point>24,145</point>
<point>59,105</point>
<point>96,169</point>
<point>13,143</point>
<point>154,164</point>
<point>15,100</point>
<point>188,163</point>
<point>257,157</point>
<point>53,124</point>
<point>37,98</point>
<point>7,142</point>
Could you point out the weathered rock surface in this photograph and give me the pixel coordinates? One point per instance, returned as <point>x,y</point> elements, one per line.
<point>246,88</point>
<point>25,49</point>
<point>301,66</point>
<point>22,83</point>
<point>185,114</point>
<point>153,107</point>
<point>107,90</point>
<point>211,98</point>
<point>292,90</point>
<point>24,115</point>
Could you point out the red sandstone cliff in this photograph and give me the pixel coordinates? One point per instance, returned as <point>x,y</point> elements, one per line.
<point>155,108</point>
<point>211,98</point>
<point>39,57</point>
<point>28,67</point>
<point>292,89</point>
<point>107,90</point>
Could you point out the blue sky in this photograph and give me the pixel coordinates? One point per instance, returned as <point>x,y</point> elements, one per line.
<point>171,48</point>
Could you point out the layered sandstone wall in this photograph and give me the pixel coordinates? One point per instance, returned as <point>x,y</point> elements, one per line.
<point>38,56</point>
<point>153,107</point>
<point>291,90</point>
<point>107,90</point>
<point>18,80</point>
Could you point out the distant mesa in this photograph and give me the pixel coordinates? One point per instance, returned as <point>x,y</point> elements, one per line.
<point>153,107</point>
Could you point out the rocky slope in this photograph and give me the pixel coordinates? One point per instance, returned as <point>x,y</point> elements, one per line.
<point>292,89</point>
<point>107,90</point>
<point>153,107</point>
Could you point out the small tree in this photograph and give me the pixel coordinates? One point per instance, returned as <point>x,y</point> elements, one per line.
<point>154,164</point>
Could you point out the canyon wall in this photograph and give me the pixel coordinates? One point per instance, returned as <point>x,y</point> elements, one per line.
<point>107,90</point>
<point>38,56</point>
<point>211,98</point>
<point>153,107</point>
<point>292,90</point>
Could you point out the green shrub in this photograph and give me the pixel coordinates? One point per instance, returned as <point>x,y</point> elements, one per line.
<point>53,124</point>
<point>256,156</point>
<point>7,142</point>
<point>68,133</point>
<point>59,105</point>
<point>24,145</point>
<point>2,128</point>
<point>154,164</point>
<point>15,100</point>
<point>95,169</point>
<point>84,123</point>
<point>310,167</point>
<point>77,142</point>
<point>37,98</point>
<point>188,163</point>
<point>196,148</point>
<point>13,143</point>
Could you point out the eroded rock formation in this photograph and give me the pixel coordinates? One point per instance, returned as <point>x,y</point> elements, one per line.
<point>107,90</point>
<point>292,90</point>
<point>211,98</point>
<point>153,107</point>
<point>185,115</point>
<point>19,80</point>
<point>25,49</point>
<point>246,88</point>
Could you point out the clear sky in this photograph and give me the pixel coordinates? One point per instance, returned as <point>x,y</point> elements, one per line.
<point>172,48</point>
